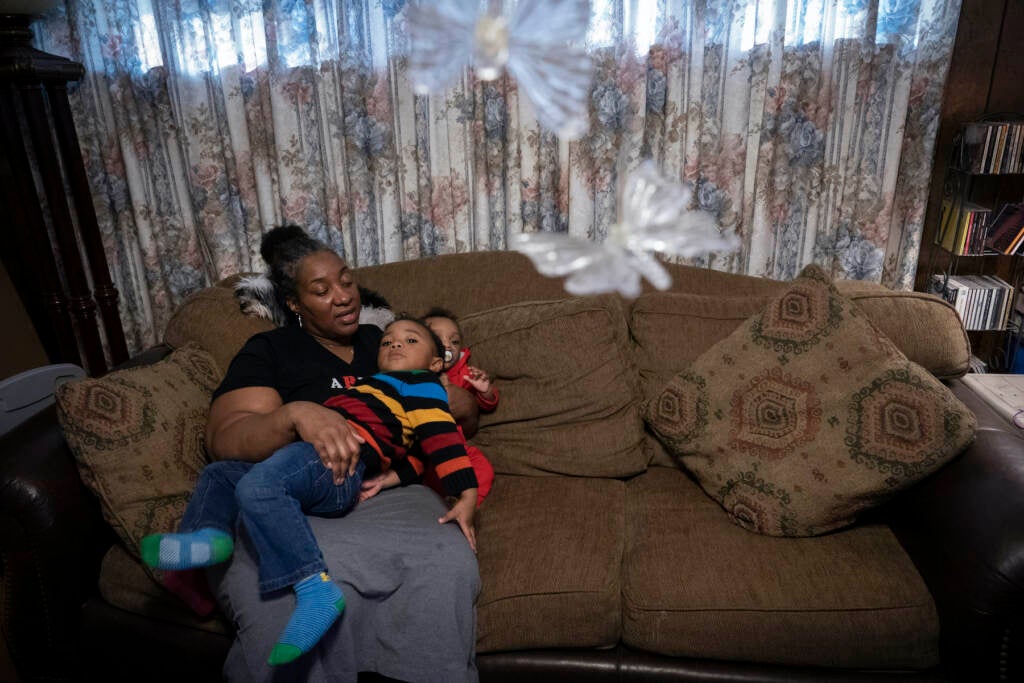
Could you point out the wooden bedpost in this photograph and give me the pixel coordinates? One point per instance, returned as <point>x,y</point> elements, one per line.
<point>51,221</point>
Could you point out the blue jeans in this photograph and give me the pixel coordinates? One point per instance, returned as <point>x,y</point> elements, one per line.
<point>272,499</point>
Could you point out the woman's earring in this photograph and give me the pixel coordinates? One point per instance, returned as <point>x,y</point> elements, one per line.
<point>300,319</point>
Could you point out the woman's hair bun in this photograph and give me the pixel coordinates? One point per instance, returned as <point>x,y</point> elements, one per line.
<point>277,237</point>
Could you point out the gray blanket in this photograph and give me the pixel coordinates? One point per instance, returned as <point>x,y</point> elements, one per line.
<point>410,585</point>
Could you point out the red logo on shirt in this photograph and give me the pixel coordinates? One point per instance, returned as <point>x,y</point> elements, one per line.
<point>346,382</point>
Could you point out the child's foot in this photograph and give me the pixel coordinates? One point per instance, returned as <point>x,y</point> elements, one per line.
<point>319,604</point>
<point>186,551</point>
<point>190,585</point>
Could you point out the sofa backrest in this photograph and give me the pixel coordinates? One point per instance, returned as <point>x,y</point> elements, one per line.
<point>462,283</point>
<point>212,319</point>
<point>478,281</point>
<point>923,326</point>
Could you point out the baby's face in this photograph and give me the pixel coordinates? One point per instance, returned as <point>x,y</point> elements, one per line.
<point>448,332</point>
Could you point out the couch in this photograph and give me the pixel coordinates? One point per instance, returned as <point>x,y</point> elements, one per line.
<point>601,558</point>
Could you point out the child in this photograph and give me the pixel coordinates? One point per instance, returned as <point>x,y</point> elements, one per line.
<point>460,373</point>
<point>402,405</point>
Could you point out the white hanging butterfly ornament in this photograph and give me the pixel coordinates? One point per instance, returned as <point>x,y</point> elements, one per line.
<point>653,217</point>
<point>533,40</point>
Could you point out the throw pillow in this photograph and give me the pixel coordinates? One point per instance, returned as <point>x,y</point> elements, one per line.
<point>657,323</point>
<point>138,438</point>
<point>807,415</point>
<point>570,400</point>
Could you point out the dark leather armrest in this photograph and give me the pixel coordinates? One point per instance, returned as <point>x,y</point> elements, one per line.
<point>52,537</point>
<point>52,541</point>
<point>964,529</point>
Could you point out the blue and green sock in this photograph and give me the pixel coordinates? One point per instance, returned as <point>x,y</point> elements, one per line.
<point>319,603</point>
<point>200,548</point>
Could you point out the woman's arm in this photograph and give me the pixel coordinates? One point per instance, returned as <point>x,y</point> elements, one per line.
<point>464,409</point>
<point>247,424</point>
<point>251,423</point>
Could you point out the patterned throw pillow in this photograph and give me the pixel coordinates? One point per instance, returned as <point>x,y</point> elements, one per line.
<point>138,438</point>
<point>807,415</point>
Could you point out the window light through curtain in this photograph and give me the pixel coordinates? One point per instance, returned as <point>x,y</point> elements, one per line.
<point>640,24</point>
<point>807,127</point>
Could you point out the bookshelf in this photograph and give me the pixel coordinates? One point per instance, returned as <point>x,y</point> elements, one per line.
<point>977,260</point>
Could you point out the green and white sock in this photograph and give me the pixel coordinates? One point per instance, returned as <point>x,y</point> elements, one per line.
<point>319,603</point>
<point>186,551</point>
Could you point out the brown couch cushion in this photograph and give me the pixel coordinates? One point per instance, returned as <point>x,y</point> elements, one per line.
<point>696,585</point>
<point>570,401</point>
<point>806,415</point>
<point>211,318</point>
<point>125,584</point>
<point>550,553</point>
<point>137,436</point>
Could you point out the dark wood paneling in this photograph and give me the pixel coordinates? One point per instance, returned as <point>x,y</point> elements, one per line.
<point>966,98</point>
<point>986,76</point>
<point>1007,91</point>
<point>42,158</point>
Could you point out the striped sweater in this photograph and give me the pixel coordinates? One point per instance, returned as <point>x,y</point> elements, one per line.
<point>400,409</point>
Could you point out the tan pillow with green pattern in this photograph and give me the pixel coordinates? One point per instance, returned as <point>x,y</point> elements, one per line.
<point>138,435</point>
<point>807,415</point>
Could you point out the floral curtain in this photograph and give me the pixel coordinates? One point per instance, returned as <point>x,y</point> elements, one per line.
<point>807,126</point>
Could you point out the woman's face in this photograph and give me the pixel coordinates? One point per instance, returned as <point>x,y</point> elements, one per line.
<point>327,296</point>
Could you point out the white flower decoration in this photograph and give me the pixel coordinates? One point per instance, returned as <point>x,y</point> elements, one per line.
<point>653,217</point>
<point>533,40</point>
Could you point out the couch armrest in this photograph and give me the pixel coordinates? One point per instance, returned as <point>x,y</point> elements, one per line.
<point>964,529</point>
<point>52,542</point>
<point>52,539</point>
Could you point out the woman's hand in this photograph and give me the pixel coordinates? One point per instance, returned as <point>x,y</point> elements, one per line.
<point>371,487</point>
<point>462,513</point>
<point>335,441</point>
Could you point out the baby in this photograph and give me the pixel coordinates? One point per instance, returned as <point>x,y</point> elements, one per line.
<point>459,372</point>
<point>402,406</point>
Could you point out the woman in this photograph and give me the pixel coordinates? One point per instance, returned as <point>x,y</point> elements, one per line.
<point>413,581</point>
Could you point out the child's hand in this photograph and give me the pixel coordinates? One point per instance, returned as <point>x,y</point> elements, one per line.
<point>478,379</point>
<point>462,513</point>
<point>371,487</point>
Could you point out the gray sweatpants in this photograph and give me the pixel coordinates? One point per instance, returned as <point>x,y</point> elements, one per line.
<point>410,585</point>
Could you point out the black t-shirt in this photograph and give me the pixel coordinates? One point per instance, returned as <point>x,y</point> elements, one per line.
<point>299,367</point>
